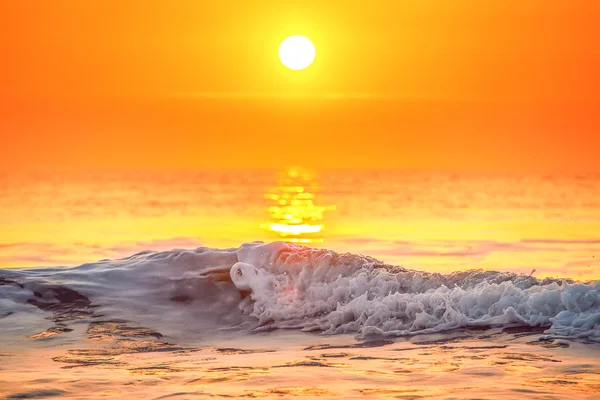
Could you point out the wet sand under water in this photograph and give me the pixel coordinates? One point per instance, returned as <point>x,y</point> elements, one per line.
<point>117,359</point>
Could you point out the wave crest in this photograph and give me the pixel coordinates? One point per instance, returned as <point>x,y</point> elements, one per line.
<point>280,285</point>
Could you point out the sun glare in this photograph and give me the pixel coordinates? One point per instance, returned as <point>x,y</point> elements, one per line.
<point>293,208</point>
<point>297,52</point>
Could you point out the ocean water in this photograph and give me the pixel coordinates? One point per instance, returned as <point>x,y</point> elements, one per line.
<point>430,221</point>
<point>357,284</point>
<point>264,319</point>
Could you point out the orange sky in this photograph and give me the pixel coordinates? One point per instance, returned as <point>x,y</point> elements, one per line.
<point>428,84</point>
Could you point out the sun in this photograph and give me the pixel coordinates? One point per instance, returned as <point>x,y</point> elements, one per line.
<point>297,52</point>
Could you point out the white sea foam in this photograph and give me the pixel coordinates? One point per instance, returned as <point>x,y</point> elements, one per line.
<point>280,285</point>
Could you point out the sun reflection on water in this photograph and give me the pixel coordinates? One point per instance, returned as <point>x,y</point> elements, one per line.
<point>294,213</point>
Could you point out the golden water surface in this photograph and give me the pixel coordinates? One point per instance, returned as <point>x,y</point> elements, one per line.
<point>433,221</point>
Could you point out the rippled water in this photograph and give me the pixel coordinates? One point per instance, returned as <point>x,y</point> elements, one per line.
<point>433,221</point>
<point>118,360</point>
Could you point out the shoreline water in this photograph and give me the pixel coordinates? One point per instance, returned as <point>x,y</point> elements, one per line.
<point>287,364</point>
<point>278,320</point>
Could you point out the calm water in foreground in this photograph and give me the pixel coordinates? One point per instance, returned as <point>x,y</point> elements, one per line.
<point>296,365</point>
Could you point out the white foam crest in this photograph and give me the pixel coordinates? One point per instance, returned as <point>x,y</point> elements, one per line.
<point>296,287</point>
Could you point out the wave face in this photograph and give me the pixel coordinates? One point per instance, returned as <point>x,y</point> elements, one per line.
<point>284,286</point>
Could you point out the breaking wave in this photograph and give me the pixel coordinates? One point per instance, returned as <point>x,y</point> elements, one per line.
<point>284,286</point>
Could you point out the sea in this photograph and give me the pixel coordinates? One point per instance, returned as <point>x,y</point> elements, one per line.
<point>298,283</point>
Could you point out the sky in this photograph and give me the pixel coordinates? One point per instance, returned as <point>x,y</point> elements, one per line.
<point>433,84</point>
